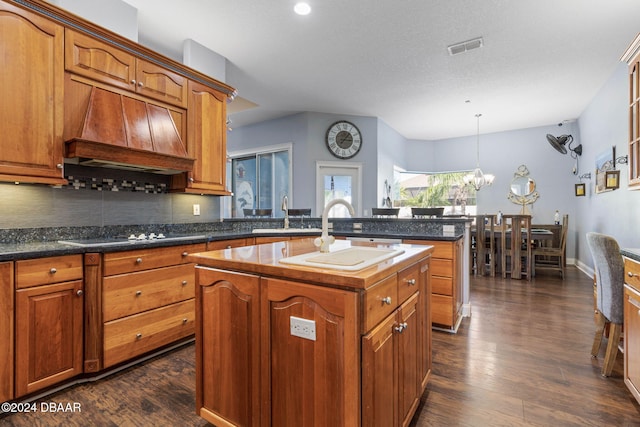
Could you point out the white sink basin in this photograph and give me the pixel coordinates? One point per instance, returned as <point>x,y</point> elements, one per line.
<point>349,259</point>
<point>286,230</point>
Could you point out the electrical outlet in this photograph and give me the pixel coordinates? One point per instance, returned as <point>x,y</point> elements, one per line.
<point>303,328</point>
<point>448,229</point>
<point>196,209</point>
<point>357,226</point>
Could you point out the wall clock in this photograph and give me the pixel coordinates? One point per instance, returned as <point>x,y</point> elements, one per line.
<point>343,139</point>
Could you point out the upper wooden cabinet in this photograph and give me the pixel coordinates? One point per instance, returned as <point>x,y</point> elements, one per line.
<point>206,142</point>
<point>632,58</point>
<point>31,97</point>
<point>89,57</point>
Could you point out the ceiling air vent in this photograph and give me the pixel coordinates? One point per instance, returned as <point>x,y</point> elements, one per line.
<point>458,48</point>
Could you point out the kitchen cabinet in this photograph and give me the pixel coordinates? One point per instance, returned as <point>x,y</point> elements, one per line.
<point>632,327</point>
<point>359,361</point>
<point>206,142</point>
<point>228,244</point>
<point>7,313</point>
<point>446,285</point>
<point>31,97</point>
<point>632,58</point>
<point>49,322</point>
<point>147,300</point>
<point>102,62</point>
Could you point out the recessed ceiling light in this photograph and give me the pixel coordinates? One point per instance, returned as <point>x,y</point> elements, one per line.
<point>302,8</point>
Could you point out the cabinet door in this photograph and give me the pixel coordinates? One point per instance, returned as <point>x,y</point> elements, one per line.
<point>206,142</point>
<point>159,83</point>
<point>31,97</point>
<point>48,335</point>
<point>99,61</point>
<point>409,380</point>
<point>227,347</point>
<point>312,382</point>
<point>632,340</point>
<point>424,304</point>
<point>379,376</point>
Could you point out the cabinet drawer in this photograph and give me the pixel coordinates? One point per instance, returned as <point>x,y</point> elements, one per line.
<point>442,249</point>
<point>442,310</point>
<point>135,335</point>
<point>442,285</point>
<point>44,271</point>
<point>227,244</point>
<point>408,281</point>
<point>632,273</point>
<point>442,267</point>
<point>144,259</point>
<point>126,294</point>
<point>379,301</point>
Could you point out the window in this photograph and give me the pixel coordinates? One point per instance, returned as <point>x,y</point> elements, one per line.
<point>434,189</point>
<point>260,180</point>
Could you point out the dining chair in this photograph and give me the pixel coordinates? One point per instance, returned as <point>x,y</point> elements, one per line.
<point>609,274</point>
<point>552,257</point>
<point>483,245</point>
<point>515,246</point>
<point>385,212</point>
<point>257,213</point>
<point>426,212</point>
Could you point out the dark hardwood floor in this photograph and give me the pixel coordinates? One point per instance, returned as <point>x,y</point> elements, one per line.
<point>521,359</point>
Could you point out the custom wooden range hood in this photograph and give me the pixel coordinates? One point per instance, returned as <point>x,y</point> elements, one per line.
<point>126,133</point>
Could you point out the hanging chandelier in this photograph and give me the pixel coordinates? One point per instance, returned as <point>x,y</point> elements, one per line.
<point>477,179</point>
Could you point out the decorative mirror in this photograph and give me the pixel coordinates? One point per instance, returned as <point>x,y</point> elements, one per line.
<point>523,189</point>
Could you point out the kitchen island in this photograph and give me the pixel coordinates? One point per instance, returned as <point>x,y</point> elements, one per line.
<point>281,344</point>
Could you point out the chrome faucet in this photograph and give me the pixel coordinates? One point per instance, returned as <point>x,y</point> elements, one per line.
<point>324,241</point>
<point>285,208</point>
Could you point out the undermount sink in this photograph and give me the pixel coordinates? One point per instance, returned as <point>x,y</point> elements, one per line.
<point>286,230</point>
<point>349,259</point>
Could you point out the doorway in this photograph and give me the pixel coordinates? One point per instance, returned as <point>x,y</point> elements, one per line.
<point>339,180</point>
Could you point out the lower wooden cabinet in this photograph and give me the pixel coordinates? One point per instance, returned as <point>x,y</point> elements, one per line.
<point>7,313</point>
<point>632,327</point>
<point>48,324</point>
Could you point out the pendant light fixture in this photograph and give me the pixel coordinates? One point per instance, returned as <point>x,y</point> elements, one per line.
<point>477,179</point>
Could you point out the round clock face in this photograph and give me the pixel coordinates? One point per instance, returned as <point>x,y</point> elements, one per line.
<point>343,139</point>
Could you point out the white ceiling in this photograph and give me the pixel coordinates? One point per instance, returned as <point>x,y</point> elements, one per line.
<point>542,62</point>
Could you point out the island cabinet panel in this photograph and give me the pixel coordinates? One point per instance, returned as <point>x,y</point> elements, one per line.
<point>7,313</point>
<point>31,97</point>
<point>228,348</point>
<point>49,328</point>
<point>311,382</point>
<point>632,327</point>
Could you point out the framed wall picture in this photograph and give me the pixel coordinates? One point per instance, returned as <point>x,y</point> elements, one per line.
<point>581,189</point>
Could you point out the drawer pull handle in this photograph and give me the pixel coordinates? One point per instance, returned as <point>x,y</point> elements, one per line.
<point>138,293</point>
<point>411,282</point>
<point>185,320</point>
<point>386,300</point>
<point>79,292</point>
<point>185,253</point>
<point>184,283</point>
<point>139,261</point>
<point>53,270</point>
<point>401,327</point>
<point>630,274</point>
<point>138,336</point>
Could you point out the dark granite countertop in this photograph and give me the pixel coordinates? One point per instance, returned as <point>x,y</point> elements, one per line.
<point>632,253</point>
<point>38,243</point>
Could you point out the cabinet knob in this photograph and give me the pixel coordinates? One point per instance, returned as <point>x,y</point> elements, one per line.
<point>184,283</point>
<point>139,261</point>
<point>185,253</point>
<point>59,166</point>
<point>411,282</point>
<point>140,84</point>
<point>79,292</point>
<point>386,300</point>
<point>138,293</point>
<point>185,320</point>
<point>630,274</point>
<point>228,246</point>
<point>191,180</point>
<point>53,270</point>
<point>138,336</point>
<point>401,327</point>
<point>133,82</point>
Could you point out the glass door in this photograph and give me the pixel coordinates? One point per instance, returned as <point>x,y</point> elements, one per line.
<point>338,181</point>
